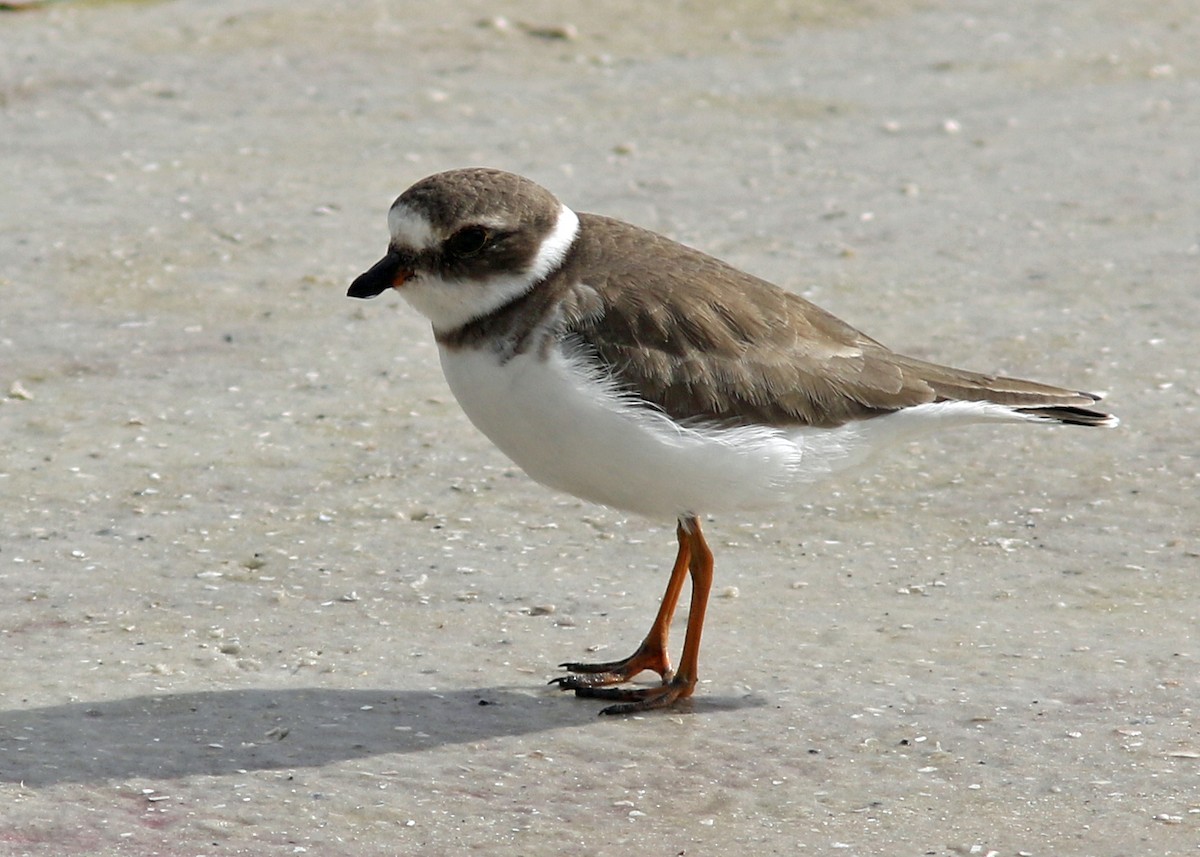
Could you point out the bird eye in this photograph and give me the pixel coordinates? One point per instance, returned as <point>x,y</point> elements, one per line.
<point>466,242</point>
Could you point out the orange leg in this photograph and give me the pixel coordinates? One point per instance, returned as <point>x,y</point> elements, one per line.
<point>652,653</point>
<point>591,679</point>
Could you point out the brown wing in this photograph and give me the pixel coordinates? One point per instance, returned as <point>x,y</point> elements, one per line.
<point>709,342</point>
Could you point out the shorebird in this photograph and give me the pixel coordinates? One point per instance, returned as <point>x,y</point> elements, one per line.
<point>627,369</point>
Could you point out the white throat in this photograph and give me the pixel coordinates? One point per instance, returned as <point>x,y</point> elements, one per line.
<point>449,304</point>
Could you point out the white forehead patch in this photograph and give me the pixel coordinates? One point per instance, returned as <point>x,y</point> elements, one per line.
<point>450,305</point>
<point>409,228</point>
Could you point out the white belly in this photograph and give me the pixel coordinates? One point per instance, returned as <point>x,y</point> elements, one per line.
<point>576,433</point>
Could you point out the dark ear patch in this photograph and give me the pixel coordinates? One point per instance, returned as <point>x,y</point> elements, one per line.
<point>466,242</point>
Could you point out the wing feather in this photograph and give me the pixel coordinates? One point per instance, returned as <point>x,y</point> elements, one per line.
<point>702,340</point>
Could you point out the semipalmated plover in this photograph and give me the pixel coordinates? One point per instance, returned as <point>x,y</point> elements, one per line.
<point>629,370</point>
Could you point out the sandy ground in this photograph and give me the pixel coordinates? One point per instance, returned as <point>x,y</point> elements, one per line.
<point>263,589</point>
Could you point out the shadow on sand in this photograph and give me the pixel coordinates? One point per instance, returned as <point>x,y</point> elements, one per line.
<point>223,732</point>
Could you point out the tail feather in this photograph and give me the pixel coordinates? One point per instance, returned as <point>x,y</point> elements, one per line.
<point>1028,398</point>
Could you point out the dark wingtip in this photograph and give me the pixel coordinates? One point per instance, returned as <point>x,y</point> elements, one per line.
<point>1072,415</point>
<point>380,278</point>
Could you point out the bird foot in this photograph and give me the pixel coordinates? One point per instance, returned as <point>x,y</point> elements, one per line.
<point>583,675</point>
<point>635,700</point>
<point>593,681</point>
